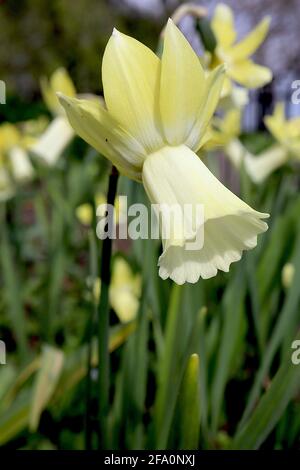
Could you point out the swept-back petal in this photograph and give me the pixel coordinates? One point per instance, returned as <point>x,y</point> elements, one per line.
<point>130,74</point>
<point>212,91</point>
<point>223,25</point>
<point>182,86</point>
<point>249,74</point>
<point>247,46</point>
<point>176,174</point>
<point>94,124</point>
<point>276,123</point>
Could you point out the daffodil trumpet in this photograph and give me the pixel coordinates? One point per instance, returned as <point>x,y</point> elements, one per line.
<point>155,121</point>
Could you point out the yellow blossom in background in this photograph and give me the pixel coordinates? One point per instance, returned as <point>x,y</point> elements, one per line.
<point>60,80</point>
<point>287,275</point>
<point>236,54</point>
<point>84,212</point>
<point>59,132</point>
<point>285,131</point>
<point>124,290</point>
<point>287,134</point>
<point>15,165</point>
<point>224,129</point>
<point>156,120</point>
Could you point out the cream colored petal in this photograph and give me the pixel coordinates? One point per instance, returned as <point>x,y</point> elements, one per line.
<point>223,25</point>
<point>182,86</point>
<point>53,141</point>
<point>21,166</point>
<point>124,303</point>
<point>131,74</point>
<point>261,166</point>
<point>248,74</point>
<point>213,88</point>
<point>239,96</point>
<point>176,174</point>
<point>247,46</point>
<point>225,239</point>
<point>236,152</point>
<point>95,125</point>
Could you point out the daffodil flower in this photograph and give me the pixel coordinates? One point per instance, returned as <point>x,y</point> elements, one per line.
<point>59,133</point>
<point>287,134</point>
<point>124,290</point>
<point>84,212</point>
<point>236,55</point>
<point>285,131</point>
<point>15,165</point>
<point>156,120</point>
<point>224,129</point>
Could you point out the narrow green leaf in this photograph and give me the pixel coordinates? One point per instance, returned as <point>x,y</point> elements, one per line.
<point>188,406</point>
<point>286,318</point>
<point>15,419</point>
<point>168,377</point>
<point>271,406</point>
<point>13,295</point>
<point>46,381</point>
<point>233,311</point>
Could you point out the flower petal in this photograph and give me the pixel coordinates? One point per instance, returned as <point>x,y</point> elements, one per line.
<point>223,25</point>
<point>176,175</point>
<point>247,46</point>
<point>130,74</point>
<point>21,166</point>
<point>276,123</point>
<point>94,124</point>
<point>213,87</point>
<point>53,141</point>
<point>249,74</point>
<point>261,166</point>
<point>60,81</point>
<point>182,85</point>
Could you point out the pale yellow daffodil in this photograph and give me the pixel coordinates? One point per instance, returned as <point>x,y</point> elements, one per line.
<point>156,120</point>
<point>288,274</point>
<point>285,131</point>
<point>287,134</point>
<point>236,55</point>
<point>124,290</point>
<point>84,212</point>
<point>225,132</point>
<point>15,165</point>
<point>59,133</point>
<point>224,129</point>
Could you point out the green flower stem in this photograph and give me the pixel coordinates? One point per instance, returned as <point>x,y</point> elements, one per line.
<point>88,419</point>
<point>103,323</point>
